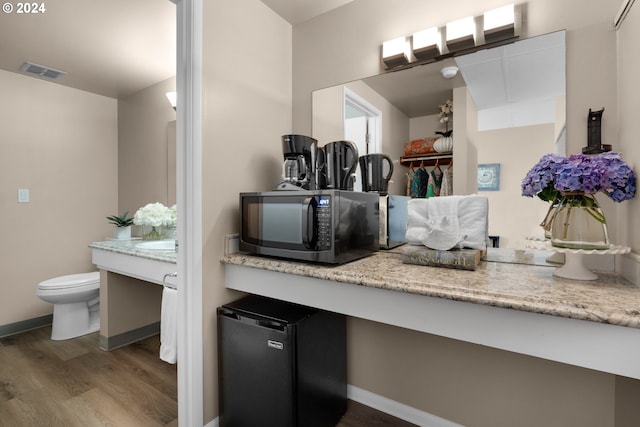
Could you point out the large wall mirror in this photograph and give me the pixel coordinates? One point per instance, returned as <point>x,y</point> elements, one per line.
<point>508,110</point>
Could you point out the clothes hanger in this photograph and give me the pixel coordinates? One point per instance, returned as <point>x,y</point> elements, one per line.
<point>437,166</point>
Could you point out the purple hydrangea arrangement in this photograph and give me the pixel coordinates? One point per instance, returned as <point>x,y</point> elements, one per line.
<point>589,174</point>
<point>540,180</point>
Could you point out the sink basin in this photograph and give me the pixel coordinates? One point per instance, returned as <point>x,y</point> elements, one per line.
<point>157,245</point>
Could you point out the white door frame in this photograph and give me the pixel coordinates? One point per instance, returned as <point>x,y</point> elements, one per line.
<point>373,113</point>
<point>189,206</point>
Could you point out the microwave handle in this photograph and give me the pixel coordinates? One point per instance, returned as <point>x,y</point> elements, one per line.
<point>308,222</point>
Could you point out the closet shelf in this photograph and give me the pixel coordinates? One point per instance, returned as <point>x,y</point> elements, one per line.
<point>427,159</point>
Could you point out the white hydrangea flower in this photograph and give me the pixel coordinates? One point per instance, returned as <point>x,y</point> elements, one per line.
<point>152,214</point>
<point>170,220</point>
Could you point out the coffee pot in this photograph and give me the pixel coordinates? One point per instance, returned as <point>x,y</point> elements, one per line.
<point>372,169</point>
<point>299,167</point>
<point>337,162</point>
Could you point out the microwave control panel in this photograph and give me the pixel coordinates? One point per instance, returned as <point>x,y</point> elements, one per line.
<point>323,211</point>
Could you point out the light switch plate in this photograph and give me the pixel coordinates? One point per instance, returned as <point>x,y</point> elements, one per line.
<point>23,195</point>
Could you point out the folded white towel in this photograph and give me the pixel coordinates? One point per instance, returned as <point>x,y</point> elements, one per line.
<point>442,233</point>
<point>439,228</point>
<point>474,221</point>
<point>472,215</point>
<point>168,326</point>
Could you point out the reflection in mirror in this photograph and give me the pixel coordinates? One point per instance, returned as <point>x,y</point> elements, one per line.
<point>171,163</point>
<point>508,109</point>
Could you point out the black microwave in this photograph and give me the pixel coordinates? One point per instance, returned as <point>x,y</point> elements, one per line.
<point>324,226</point>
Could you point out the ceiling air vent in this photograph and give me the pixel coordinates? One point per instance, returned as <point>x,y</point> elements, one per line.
<point>41,70</point>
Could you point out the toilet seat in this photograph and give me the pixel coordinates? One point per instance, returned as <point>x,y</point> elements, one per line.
<point>71,281</point>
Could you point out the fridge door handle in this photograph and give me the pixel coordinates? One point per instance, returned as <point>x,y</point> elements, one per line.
<point>270,324</point>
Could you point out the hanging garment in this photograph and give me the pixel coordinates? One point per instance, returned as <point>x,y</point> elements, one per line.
<point>410,173</point>
<point>437,175</point>
<point>446,189</point>
<point>431,187</point>
<point>419,183</point>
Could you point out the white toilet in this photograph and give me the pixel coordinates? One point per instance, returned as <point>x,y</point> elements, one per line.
<point>76,304</point>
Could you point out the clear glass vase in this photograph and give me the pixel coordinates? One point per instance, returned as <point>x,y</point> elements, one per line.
<point>579,223</point>
<point>150,232</point>
<point>547,222</point>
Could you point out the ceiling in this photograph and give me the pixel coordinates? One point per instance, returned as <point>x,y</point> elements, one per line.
<point>113,48</point>
<point>297,11</point>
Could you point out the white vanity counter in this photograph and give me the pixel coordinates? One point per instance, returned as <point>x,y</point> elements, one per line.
<point>127,258</point>
<point>512,302</point>
<point>130,299</point>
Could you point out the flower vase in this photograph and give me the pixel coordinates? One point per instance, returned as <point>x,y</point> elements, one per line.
<point>547,222</point>
<point>150,232</point>
<point>579,223</point>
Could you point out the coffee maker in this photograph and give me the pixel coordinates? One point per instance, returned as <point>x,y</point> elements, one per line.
<point>299,168</point>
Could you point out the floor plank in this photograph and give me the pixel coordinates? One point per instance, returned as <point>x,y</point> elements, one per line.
<point>359,415</point>
<point>72,383</point>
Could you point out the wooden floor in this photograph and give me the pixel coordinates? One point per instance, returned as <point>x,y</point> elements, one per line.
<point>73,383</point>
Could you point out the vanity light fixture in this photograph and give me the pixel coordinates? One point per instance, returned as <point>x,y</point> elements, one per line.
<point>396,52</point>
<point>495,27</point>
<point>173,99</point>
<point>461,34</point>
<point>500,24</point>
<point>427,44</point>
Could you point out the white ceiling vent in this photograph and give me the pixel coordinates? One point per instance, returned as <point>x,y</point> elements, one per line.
<point>41,70</point>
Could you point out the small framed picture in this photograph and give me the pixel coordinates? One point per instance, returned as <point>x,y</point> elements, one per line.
<point>489,177</point>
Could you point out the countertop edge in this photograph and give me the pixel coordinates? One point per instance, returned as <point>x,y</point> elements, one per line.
<point>126,247</point>
<point>538,305</point>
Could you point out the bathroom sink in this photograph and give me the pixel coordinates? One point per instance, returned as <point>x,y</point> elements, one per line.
<point>157,245</point>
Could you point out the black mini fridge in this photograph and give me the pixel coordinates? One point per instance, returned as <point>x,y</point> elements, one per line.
<point>280,364</point>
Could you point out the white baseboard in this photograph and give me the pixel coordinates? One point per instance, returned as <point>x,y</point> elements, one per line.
<point>397,409</point>
<point>388,406</point>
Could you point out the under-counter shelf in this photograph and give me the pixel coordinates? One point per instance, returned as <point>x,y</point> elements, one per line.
<point>427,159</point>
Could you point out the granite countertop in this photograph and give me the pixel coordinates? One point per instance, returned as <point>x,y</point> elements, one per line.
<point>512,279</point>
<point>128,247</point>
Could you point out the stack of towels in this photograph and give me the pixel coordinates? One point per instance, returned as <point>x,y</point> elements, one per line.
<point>449,222</point>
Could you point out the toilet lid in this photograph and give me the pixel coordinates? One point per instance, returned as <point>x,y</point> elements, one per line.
<point>71,281</point>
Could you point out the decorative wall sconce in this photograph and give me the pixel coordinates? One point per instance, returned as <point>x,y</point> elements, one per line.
<point>427,44</point>
<point>173,99</point>
<point>396,52</point>
<point>497,26</point>
<point>500,24</point>
<point>461,34</point>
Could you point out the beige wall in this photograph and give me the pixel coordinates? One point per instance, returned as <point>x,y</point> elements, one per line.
<point>127,304</point>
<point>328,124</point>
<point>628,123</point>
<point>511,216</point>
<point>247,108</point>
<point>144,120</point>
<point>61,144</point>
<point>463,382</point>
